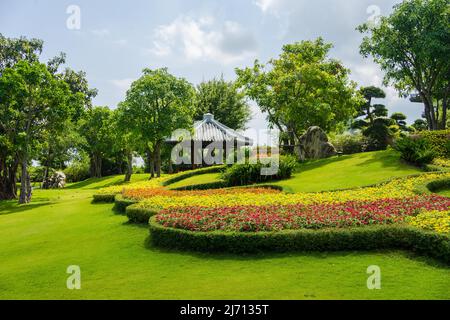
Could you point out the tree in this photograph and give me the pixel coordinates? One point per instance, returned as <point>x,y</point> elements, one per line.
<point>420,125</point>
<point>412,47</point>
<point>125,140</point>
<point>302,88</point>
<point>96,129</point>
<point>157,104</point>
<point>11,52</point>
<point>400,121</point>
<point>224,101</point>
<point>372,119</point>
<point>33,101</point>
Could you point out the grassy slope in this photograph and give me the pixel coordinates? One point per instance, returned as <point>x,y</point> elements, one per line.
<point>39,241</point>
<point>334,173</point>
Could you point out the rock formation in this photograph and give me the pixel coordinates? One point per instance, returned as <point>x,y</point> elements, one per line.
<point>314,145</point>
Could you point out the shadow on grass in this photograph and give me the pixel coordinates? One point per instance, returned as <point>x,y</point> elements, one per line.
<point>280,255</point>
<point>11,206</point>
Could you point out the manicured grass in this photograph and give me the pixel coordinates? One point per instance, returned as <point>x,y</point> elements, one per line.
<point>334,173</point>
<point>195,180</point>
<point>62,228</point>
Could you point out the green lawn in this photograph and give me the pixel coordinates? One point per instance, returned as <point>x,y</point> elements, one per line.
<point>61,228</point>
<point>334,173</point>
<point>444,193</point>
<point>195,180</point>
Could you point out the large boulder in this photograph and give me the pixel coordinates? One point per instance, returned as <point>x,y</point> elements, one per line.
<point>314,145</point>
<point>56,181</point>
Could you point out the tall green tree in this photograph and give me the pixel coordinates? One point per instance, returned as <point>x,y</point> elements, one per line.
<point>224,101</point>
<point>33,101</point>
<point>412,46</point>
<point>96,127</point>
<point>302,88</point>
<point>157,104</point>
<point>12,51</point>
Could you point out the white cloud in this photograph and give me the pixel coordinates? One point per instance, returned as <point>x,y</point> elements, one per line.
<point>120,42</point>
<point>265,5</point>
<point>203,39</point>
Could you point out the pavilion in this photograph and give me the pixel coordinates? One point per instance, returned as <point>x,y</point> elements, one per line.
<point>213,137</point>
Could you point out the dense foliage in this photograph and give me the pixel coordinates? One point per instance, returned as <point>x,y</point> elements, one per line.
<point>250,173</point>
<point>415,151</point>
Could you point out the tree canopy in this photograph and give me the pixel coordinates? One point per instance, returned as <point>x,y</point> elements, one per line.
<point>412,46</point>
<point>302,88</point>
<point>158,103</point>
<point>224,101</point>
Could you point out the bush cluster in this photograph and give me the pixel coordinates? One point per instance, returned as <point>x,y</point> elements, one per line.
<point>358,238</point>
<point>246,174</point>
<point>350,143</point>
<point>439,141</point>
<point>415,150</point>
<point>77,171</point>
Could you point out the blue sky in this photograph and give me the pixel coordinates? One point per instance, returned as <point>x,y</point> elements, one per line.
<point>197,40</point>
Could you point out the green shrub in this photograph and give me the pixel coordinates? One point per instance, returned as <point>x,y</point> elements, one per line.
<point>360,238</point>
<point>203,186</point>
<point>415,151</point>
<point>77,171</point>
<point>120,203</point>
<point>439,141</point>
<point>246,174</point>
<point>137,214</point>
<point>103,198</point>
<point>349,143</point>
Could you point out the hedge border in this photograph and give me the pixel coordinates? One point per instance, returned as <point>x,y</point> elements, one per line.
<point>104,198</point>
<point>120,203</point>
<point>432,186</point>
<point>401,237</point>
<point>140,215</point>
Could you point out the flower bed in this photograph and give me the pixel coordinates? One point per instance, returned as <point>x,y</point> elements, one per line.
<point>438,221</point>
<point>291,217</point>
<point>146,193</point>
<point>395,189</point>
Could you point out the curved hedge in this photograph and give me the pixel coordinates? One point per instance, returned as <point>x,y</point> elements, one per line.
<point>104,198</point>
<point>433,186</point>
<point>137,214</point>
<point>121,203</point>
<point>361,238</point>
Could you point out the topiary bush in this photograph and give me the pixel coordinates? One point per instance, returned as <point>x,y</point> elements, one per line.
<point>415,151</point>
<point>246,174</point>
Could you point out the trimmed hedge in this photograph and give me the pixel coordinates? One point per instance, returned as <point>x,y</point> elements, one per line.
<point>203,186</point>
<point>192,173</point>
<point>140,215</point>
<point>360,238</point>
<point>433,186</point>
<point>104,198</point>
<point>120,203</point>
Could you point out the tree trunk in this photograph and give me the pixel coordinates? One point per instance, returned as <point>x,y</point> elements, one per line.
<point>24,182</point>
<point>129,167</point>
<point>96,166</point>
<point>429,111</point>
<point>158,158</point>
<point>8,188</point>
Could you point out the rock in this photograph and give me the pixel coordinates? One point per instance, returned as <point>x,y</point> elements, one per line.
<point>314,145</point>
<point>56,181</point>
